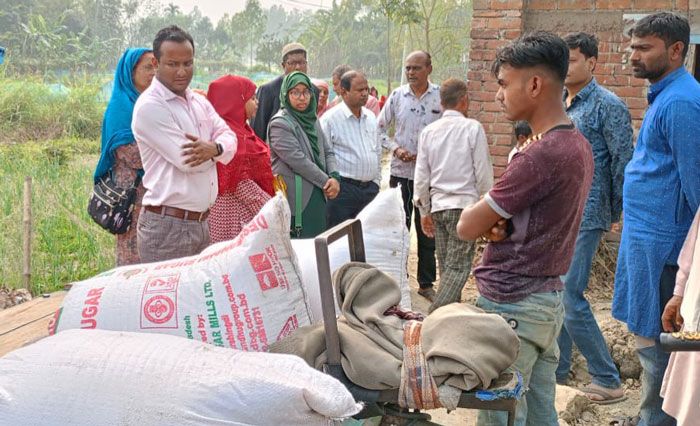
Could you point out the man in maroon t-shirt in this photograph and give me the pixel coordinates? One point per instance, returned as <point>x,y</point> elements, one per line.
<point>532,217</point>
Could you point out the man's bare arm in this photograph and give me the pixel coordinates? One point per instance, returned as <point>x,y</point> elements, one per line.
<point>480,219</point>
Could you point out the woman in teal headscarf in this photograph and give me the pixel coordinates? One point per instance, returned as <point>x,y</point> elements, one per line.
<point>301,154</point>
<point>120,154</point>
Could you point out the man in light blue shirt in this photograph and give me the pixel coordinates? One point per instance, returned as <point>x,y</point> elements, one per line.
<point>661,195</point>
<point>352,132</point>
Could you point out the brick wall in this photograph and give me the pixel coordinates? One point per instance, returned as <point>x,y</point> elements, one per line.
<point>496,22</point>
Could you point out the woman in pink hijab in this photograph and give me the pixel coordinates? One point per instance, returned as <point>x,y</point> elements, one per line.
<point>323,91</point>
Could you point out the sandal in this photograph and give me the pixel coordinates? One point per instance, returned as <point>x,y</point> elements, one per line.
<point>626,421</point>
<point>428,292</point>
<point>607,396</point>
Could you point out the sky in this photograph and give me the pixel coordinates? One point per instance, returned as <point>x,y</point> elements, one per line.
<point>215,9</point>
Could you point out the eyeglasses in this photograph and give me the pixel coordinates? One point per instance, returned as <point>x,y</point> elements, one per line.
<point>296,94</point>
<point>297,63</point>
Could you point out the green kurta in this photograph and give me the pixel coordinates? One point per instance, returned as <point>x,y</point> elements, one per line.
<point>313,218</point>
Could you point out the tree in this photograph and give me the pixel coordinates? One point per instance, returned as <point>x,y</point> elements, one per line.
<point>269,50</point>
<point>172,9</point>
<point>403,12</point>
<point>249,25</point>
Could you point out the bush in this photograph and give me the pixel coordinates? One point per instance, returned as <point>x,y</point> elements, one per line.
<point>33,110</point>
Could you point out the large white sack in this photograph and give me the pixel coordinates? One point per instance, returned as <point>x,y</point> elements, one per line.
<point>97,377</point>
<point>242,294</point>
<point>386,240</point>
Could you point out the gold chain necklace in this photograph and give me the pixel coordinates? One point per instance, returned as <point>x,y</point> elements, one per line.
<point>529,140</point>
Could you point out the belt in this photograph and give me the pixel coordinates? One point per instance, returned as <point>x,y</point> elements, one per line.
<point>355,182</point>
<point>178,213</point>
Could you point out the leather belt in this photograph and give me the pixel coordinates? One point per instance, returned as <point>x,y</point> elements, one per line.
<point>178,213</point>
<point>355,182</point>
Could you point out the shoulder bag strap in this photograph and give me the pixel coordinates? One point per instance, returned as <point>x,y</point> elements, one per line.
<point>297,186</point>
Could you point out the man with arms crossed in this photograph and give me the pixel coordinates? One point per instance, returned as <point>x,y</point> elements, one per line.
<point>532,216</point>
<point>181,137</point>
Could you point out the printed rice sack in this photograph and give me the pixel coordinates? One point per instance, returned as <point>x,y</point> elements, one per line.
<point>242,294</point>
<point>387,242</point>
<point>98,377</point>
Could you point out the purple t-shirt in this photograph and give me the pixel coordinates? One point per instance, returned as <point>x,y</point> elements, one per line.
<point>542,192</point>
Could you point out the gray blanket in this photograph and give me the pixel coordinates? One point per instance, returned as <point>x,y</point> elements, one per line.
<point>464,346</point>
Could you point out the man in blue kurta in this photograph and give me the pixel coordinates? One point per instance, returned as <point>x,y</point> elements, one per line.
<point>660,196</point>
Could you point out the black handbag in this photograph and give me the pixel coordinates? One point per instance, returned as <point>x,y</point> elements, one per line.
<point>111,206</point>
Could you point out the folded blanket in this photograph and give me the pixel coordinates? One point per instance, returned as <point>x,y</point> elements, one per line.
<point>464,347</point>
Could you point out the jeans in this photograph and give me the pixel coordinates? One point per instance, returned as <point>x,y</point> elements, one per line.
<point>579,323</point>
<point>654,362</point>
<point>351,199</point>
<point>536,320</point>
<point>426,245</point>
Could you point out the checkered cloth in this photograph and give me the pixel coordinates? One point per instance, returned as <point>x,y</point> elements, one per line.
<point>454,256</point>
<point>418,388</point>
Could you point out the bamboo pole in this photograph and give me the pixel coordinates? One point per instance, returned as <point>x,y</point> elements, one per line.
<point>27,221</point>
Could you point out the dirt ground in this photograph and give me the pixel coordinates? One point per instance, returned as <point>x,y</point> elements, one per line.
<point>573,410</point>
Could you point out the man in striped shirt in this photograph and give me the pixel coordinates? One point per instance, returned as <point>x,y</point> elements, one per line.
<point>352,131</point>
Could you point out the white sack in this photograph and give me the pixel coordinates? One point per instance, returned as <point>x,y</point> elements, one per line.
<point>387,241</point>
<point>97,377</point>
<point>242,294</point>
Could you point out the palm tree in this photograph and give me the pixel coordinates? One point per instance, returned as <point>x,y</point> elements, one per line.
<point>172,9</point>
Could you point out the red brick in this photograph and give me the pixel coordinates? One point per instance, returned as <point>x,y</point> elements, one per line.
<point>491,86</point>
<point>602,68</point>
<point>475,85</point>
<point>614,80</point>
<point>505,24</point>
<point>503,140</point>
<point>486,117</point>
<point>498,171</point>
<point>681,4</point>
<point>499,160</point>
<point>652,4</point>
<point>542,5</point>
<point>479,23</point>
<point>488,14</point>
<point>629,92</point>
<point>637,114</point>
<point>495,44</point>
<point>501,128</point>
<point>512,34</point>
<point>478,33</point>
<point>636,103</point>
<point>613,4</point>
<point>482,96</point>
<point>482,55</point>
<point>493,107</point>
<point>638,82</point>
<point>499,150</point>
<point>574,4</point>
<point>482,4</point>
<point>694,4</point>
<point>507,4</point>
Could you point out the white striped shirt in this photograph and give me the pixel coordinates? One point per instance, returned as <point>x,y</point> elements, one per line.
<point>355,143</point>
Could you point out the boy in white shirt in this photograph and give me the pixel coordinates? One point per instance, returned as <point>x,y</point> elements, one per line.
<point>522,133</point>
<point>453,169</point>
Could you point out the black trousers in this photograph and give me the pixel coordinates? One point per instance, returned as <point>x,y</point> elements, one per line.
<point>352,198</point>
<point>426,245</point>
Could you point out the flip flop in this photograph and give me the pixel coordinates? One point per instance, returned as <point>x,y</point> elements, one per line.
<point>626,421</point>
<point>608,398</point>
<point>428,293</point>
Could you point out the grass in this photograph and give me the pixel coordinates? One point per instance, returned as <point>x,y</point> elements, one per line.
<point>66,245</point>
<point>33,110</point>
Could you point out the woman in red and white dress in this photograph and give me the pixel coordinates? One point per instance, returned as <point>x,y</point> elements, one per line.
<point>245,184</point>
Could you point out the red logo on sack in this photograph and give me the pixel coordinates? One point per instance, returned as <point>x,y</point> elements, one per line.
<point>291,325</point>
<point>159,309</point>
<point>263,270</point>
<point>159,301</point>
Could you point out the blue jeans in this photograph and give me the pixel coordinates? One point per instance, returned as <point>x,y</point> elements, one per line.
<point>654,362</point>
<point>536,320</point>
<point>579,323</point>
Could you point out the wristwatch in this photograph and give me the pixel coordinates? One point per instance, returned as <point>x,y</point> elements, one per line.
<point>219,151</point>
